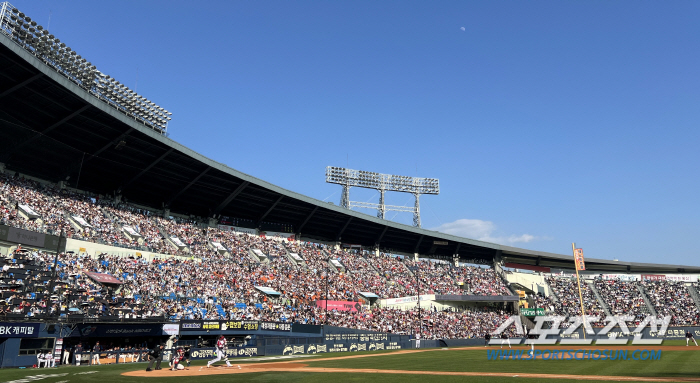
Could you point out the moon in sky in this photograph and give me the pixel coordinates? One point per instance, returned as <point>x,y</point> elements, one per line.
<point>464,29</point>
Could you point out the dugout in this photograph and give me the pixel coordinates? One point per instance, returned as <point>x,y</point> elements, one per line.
<point>20,342</point>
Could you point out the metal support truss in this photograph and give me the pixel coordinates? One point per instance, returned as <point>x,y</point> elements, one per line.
<point>381,211</point>
<point>416,210</point>
<point>345,198</point>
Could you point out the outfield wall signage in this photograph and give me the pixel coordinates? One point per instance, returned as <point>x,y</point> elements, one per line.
<point>275,326</point>
<point>19,330</point>
<point>337,346</point>
<point>210,353</point>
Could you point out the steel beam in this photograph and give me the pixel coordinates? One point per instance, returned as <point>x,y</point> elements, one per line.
<point>418,243</point>
<point>231,196</point>
<point>21,84</point>
<point>51,127</point>
<point>145,170</point>
<point>274,205</point>
<point>379,240</point>
<point>173,198</point>
<point>337,237</point>
<point>308,217</point>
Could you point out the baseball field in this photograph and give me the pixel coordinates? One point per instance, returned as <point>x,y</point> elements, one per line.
<point>675,363</point>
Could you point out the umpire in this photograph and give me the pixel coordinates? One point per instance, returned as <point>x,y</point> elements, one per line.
<point>155,355</point>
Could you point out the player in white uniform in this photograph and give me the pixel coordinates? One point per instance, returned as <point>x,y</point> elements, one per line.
<point>220,352</point>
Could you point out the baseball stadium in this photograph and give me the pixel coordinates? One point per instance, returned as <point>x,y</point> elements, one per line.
<point>128,257</point>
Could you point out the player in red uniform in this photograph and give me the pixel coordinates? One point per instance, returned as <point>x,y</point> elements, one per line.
<point>178,357</point>
<point>220,351</point>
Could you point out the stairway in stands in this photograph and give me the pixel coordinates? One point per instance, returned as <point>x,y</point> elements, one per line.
<point>650,307</point>
<point>599,298</point>
<point>694,294</point>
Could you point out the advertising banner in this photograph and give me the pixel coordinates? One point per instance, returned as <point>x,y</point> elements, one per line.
<point>26,237</point>
<point>110,330</point>
<point>210,353</point>
<point>578,258</point>
<point>171,329</point>
<point>275,326</point>
<point>234,326</point>
<point>246,325</point>
<point>396,301</point>
<point>622,277</point>
<point>19,330</point>
<point>339,305</point>
<point>670,277</point>
<point>532,312</point>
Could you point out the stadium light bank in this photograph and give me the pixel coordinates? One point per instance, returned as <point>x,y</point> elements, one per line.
<point>382,182</point>
<point>36,40</point>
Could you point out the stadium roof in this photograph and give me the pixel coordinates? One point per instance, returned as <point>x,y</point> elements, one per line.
<point>54,130</point>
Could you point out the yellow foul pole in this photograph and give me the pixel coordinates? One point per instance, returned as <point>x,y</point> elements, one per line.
<point>578,282</point>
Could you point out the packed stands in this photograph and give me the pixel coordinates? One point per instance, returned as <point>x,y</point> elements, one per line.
<point>566,290</point>
<point>219,282</point>
<point>672,298</point>
<point>622,297</point>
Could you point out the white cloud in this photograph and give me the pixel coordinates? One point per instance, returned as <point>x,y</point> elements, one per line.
<point>481,230</point>
<point>464,29</point>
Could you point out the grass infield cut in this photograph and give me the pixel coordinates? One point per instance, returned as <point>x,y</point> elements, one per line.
<point>422,366</point>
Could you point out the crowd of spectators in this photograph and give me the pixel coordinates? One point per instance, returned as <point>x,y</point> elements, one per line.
<point>566,289</point>
<point>673,299</point>
<point>211,289</point>
<point>622,297</point>
<point>220,282</point>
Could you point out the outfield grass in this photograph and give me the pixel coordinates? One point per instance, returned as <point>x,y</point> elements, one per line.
<point>678,364</point>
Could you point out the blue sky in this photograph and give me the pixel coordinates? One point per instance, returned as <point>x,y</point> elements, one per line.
<point>547,122</point>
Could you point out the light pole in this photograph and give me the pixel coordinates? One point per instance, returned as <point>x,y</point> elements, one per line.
<point>420,320</point>
<point>55,272</point>
<point>328,274</point>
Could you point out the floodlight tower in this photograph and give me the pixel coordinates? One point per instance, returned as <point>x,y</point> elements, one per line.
<point>382,182</point>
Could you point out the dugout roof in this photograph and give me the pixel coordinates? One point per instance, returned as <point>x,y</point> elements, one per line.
<point>52,129</point>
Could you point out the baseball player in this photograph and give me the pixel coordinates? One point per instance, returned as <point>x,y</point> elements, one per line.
<point>531,336</point>
<point>688,337</point>
<point>178,356</point>
<point>49,359</point>
<point>96,353</point>
<point>220,352</point>
<point>505,339</point>
<point>487,338</point>
<point>186,357</point>
<point>78,354</point>
<point>40,359</point>
<point>66,356</point>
